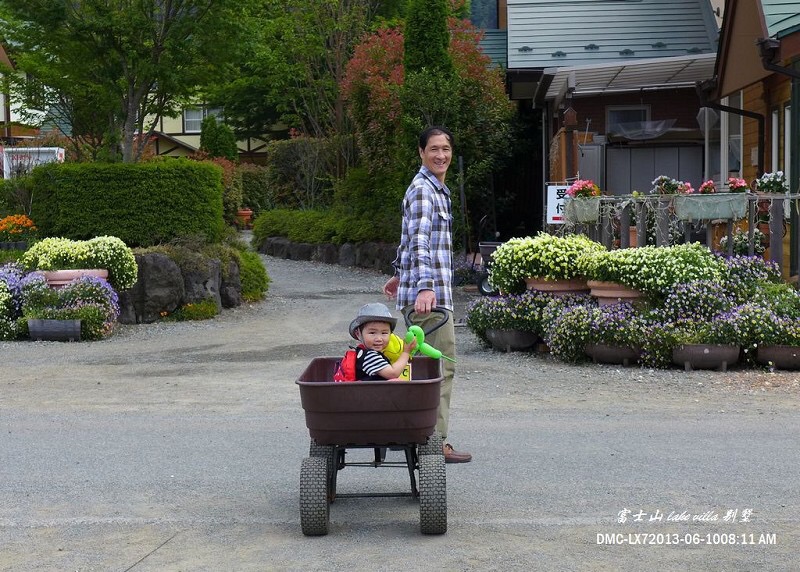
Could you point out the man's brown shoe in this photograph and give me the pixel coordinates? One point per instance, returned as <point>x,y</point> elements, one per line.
<point>453,456</point>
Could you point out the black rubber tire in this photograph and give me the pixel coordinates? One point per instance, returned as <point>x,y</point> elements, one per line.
<point>484,287</point>
<point>432,495</point>
<point>314,506</point>
<point>432,447</point>
<point>324,451</point>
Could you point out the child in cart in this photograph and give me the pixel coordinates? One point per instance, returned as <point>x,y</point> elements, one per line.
<point>380,355</point>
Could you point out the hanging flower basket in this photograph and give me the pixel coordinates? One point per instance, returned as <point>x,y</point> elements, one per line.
<point>710,206</point>
<point>582,209</point>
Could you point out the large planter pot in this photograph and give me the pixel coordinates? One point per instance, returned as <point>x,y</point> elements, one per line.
<point>59,278</point>
<point>582,209</point>
<point>711,206</point>
<point>245,217</point>
<point>558,287</point>
<point>612,292</point>
<point>781,357</point>
<point>511,340</point>
<point>706,356</point>
<point>55,330</point>
<point>604,353</point>
<point>14,245</point>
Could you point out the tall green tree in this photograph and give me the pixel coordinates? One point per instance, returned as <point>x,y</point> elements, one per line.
<point>133,61</point>
<point>427,37</point>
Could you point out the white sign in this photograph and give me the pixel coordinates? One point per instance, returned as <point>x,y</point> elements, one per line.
<point>20,160</point>
<point>555,203</point>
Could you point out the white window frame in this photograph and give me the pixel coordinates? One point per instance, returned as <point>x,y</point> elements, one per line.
<point>203,112</point>
<point>727,120</point>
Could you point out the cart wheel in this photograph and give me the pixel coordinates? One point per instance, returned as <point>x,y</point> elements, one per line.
<point>484,287</point>
<point>432,447</point>
<point>323,451</point>
<point>432,495</point>
<point>314,507</point>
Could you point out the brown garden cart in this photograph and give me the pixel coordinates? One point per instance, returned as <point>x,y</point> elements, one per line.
<point>378,415</point>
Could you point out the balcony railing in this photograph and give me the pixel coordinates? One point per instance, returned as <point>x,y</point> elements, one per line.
<point>667,219</point>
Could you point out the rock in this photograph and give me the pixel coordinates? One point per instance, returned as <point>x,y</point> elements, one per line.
<point>230,290</point>
<point>203,283</point>
<point>159,288</point>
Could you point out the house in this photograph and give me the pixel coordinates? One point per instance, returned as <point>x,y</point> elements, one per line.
<point>180,136</point>
<point>612,81</point>
<point>13,127</point>
<point>757,75</point>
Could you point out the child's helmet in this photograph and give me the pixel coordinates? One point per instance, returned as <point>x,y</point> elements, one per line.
<point>375,312</point>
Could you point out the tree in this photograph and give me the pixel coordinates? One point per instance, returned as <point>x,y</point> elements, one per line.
<point>218,140</point>
<point>427,37</point>
<point>131,61</point>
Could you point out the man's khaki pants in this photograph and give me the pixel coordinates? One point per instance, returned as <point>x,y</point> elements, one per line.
<point>443,339</point>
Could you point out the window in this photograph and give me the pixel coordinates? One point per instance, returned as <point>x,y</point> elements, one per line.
<point>731,137</point>
<point>616,114</point>
<point>483,14</point>
<point>193,117</point>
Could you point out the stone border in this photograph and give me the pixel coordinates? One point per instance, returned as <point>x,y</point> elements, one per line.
<point>374,255</point>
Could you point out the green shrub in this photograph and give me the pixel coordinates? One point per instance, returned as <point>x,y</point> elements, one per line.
<point>255,280</point>
<point>301,171</point>
<point>142,204</point>
<point>256,193</point>
<point>204,310</point>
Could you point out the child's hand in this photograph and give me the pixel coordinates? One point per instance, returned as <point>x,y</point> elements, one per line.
<point>410,346</point>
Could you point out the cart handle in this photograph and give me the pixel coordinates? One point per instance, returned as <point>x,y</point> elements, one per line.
<point>442,322</point>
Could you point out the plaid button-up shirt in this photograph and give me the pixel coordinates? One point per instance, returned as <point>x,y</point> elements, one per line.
<point>425,255</point>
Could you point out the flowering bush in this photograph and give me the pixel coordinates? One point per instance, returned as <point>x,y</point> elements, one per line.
<point>708,188</point>
<point>616,325</point>
<point>107,252</point>
<point>583,188</point>
<point>655,270</point>
<point>772,183</point>
<point>17,228</point>
<point>569,334</point>
<point>544,256</point>
<point>664,185</point>
<point>741,242</point>
<point>697,301</point>
<point>736,185</point>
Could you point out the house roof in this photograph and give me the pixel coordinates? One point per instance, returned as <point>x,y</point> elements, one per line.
<point>548,33</point>
<point>739,62</point>
<point>651,74</point>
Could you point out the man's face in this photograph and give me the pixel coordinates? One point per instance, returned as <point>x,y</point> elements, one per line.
<point>437,155</point>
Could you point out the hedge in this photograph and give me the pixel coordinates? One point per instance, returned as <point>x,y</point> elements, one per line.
<point>142,203</point>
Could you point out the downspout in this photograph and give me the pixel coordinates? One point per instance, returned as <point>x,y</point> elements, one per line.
<point>769,49</point>
<point>703,87</point>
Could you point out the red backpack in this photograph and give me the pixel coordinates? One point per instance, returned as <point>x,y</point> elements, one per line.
<point>346,368</point>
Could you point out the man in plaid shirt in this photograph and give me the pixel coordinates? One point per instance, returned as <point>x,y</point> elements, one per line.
<point>424,263</point>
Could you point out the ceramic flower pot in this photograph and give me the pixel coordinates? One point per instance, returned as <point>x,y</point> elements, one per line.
<point>604,353</point>
<point>558,287</point>
<point>59,278</point>
<point>781,357</point>
<point>511,340</point>
<point>706,356</point>
<point>55,330</point>
<point>612,292</point>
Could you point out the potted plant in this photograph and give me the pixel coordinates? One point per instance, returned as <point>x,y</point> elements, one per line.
<point>510,322</point>
<point>16,232</point>
<point>707,345</point>
<point>707,204</point>
<point>582,202</point>
<point>545,262</point>
<point>615,334</point>
<point>608,274</point>
<point>741,242</point>
<point>779,343</point>
<point>664,185</point>
<point>772,183</point>
<point>86,308</point>
<point>102,252</point>
<point>737,185</point>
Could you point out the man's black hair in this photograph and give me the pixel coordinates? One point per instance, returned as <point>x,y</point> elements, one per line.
<point>435,130</point>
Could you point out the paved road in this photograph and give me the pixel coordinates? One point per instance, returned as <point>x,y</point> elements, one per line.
<point>176,447</point>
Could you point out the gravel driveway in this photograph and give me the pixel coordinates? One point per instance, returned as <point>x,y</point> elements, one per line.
<point>176,446</point>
